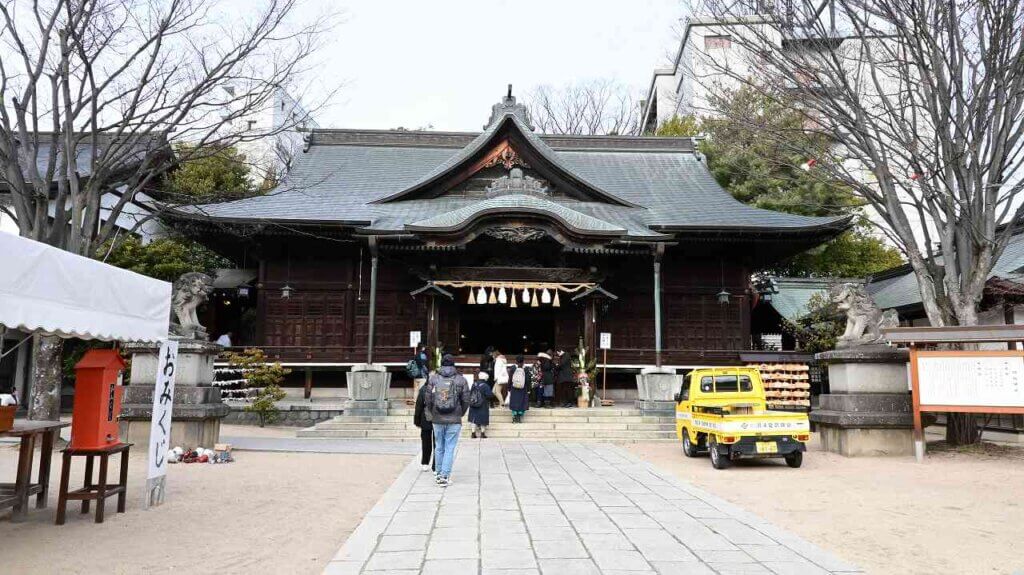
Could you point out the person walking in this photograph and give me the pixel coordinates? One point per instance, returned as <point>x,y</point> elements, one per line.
<point>421,419</point>
<point>547,368</point>
<point>500,377</point>
<point>564,380</point>
<point>418,369</point>
<point>480,396</point>
<point>519,377</point>
<point>448,400</point>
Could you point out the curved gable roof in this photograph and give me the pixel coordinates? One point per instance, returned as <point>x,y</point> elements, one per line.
<point>517,204</point>
<point>526,143</point>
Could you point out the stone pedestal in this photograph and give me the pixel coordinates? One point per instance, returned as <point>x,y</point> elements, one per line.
<point>368,386</point>
<point>198,408</point>
<point>868,410</point>
<point>656,387</point>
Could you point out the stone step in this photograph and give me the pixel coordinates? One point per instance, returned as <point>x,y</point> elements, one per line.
<point>527,426</point>
<point>589,412</point>
<point>497,433</point>
<point>507,417</point>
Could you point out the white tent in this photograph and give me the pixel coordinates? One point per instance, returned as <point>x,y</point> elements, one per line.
<point>51,291</point>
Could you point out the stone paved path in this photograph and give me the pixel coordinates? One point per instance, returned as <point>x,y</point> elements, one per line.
<point>518,508</point>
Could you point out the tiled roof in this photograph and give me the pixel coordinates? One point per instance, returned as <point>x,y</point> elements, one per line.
<point>794,294</point>
<point>901,289</point>
<point>360,178</point>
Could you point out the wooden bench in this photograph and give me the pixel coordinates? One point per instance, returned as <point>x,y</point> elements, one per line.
<point>98,491</point>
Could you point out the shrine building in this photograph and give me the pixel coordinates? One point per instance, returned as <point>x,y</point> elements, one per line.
<point>503,238</point>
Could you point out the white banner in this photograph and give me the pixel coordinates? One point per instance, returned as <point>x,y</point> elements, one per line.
<point>160,425</point>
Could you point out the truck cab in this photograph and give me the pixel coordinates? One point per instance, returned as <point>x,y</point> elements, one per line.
<point>722,411</point>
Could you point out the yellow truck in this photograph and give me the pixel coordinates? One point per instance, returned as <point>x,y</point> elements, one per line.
<point>723,411</point>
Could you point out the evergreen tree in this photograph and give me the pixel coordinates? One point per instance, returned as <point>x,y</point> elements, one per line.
<point>758,172</point>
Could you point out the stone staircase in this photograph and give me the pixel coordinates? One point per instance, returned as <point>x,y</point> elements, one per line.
<point>593,424</point>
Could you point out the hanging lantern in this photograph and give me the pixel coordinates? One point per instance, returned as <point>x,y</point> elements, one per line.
<point>723,297</point>
<point>513,300</point>
<point>545,297</point>
<point>493,299</point>
<point>534,302</point>
<point>471,301</point>
<point>556,303</point>
<point>526,296</point>
<point>481,295</point>
<point>286,291</point>
<point>502,296</point>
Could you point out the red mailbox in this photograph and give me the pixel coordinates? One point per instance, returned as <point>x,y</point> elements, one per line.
<point>97,399</point>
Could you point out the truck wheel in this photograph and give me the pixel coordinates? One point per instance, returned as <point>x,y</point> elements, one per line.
<point>795,459</point>
<point>718,461</point>
<point>689,449</point>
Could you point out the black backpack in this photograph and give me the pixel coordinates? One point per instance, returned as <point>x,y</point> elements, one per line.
<point>476,397</point>
<point>445,396</point>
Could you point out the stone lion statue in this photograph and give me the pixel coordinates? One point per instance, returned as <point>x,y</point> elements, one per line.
<point>189,292</point>
<point>864,321</point>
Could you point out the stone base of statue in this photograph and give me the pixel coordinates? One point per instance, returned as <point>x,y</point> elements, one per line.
<point>198,408</point>
<point>656,388</point>
<point>368,386</point>
<point>868,409</point>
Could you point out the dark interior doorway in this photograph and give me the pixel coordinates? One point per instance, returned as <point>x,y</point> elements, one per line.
<point>511,330</point>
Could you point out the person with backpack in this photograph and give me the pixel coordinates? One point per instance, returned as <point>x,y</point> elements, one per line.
<point>418,369</point>
<point>520,378</point>
<point>480,396</point>
<point>448,398</point>
<point>421,419</point>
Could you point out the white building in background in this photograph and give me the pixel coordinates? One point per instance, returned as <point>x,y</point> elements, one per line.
<point>706,48</point>
<point>271,136</point>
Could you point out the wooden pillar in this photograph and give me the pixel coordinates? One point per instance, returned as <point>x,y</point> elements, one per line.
<point>590,327</point>
<point>432,323</point>
<point>659,251</point>
<point>1008,319</point>
<point>373,300</point>
<point>308,391</point>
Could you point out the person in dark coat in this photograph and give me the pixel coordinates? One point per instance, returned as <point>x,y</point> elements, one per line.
<point>421,419</point>
<point>565,380</point>
<point>547,369</point>
<point>487,362</point>
<point>480,415</point>
<point>519,397</point>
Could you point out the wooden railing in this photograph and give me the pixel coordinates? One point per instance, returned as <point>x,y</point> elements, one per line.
<point>623,356</point>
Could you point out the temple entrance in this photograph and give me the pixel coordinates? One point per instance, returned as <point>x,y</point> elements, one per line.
<point>511,330</point>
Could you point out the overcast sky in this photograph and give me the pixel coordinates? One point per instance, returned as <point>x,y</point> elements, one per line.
<point>415,63</point>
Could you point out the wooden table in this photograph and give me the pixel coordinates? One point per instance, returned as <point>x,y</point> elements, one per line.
<point>16,494</point>
<point>97,491</point>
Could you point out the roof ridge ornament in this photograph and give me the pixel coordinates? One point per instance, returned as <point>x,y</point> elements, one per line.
<point>508,106</point>
<point>516,183</point>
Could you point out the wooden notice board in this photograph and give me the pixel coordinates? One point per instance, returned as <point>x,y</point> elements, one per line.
<point>965,382</point>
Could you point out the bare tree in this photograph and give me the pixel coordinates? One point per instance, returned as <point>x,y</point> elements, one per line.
<point>924,100</point>
<point>589,108</point>
<point>94,92</point>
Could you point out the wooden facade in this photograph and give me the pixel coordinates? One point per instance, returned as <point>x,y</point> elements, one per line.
<point>377,234</point>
